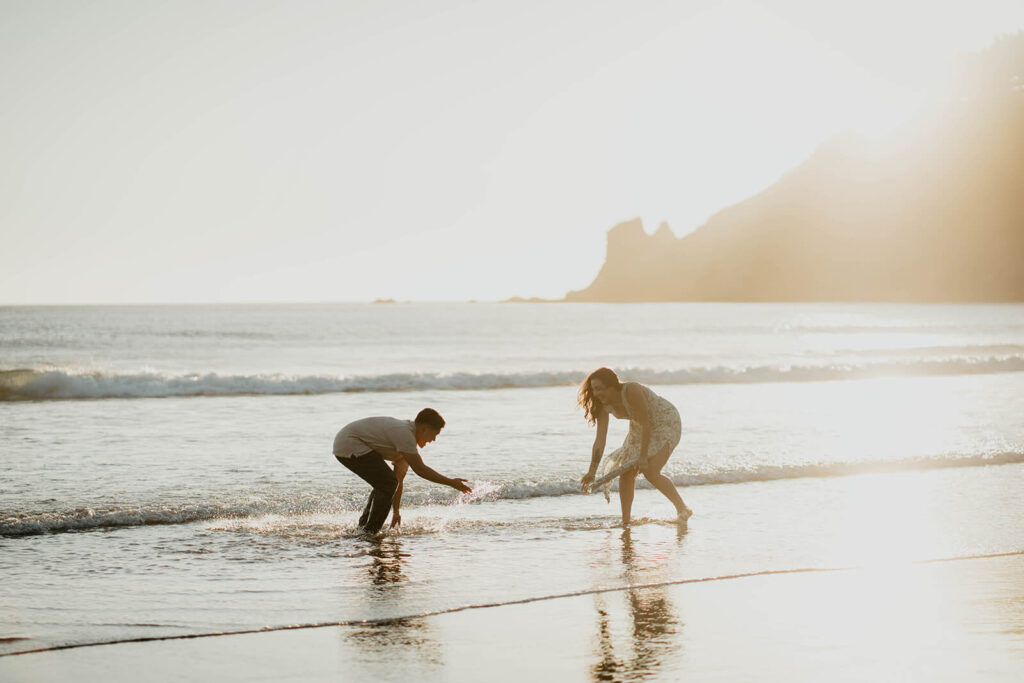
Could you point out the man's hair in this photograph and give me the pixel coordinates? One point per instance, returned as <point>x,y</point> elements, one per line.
<point>431,418</point>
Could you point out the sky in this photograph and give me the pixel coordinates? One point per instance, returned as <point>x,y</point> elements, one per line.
<point>256,151</point>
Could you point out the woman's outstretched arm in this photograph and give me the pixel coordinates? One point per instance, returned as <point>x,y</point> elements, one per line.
<point>598,450</point>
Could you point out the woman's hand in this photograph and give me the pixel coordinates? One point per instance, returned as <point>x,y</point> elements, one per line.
<point>459,484</point>
<point>588,479</point>
<point>396,520</point>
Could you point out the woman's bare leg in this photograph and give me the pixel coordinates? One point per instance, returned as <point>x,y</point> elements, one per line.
<point>659,481</point>
<point>627,482</point>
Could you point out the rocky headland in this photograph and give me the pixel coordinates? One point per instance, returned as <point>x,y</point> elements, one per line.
<point>934,212</point>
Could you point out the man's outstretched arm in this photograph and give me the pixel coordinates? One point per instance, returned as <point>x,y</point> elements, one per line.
<point>420,468</point>
<point>401,467</point>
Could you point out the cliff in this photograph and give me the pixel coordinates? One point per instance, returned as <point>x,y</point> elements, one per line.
<point>934,213</point>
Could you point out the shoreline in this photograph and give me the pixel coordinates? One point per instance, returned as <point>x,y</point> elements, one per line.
<point>956,617</point>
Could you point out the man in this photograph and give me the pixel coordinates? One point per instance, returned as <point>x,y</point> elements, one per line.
<point>364,445</point>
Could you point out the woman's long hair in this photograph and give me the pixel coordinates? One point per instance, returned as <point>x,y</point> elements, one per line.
<point>586,399</point>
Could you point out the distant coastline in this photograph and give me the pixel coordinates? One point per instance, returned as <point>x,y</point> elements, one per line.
<point>529,300</point>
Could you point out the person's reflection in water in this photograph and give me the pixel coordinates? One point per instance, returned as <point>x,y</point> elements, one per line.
<point>400,641</point>
<point>655,630</point>
<point>386,568</point>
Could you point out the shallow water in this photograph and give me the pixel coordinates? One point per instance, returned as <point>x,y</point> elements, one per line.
<point>132,516</point>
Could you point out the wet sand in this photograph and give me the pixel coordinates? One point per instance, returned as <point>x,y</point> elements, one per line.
<point>953,620</point>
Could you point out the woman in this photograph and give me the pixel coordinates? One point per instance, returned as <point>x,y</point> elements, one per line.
<point>654,431</point>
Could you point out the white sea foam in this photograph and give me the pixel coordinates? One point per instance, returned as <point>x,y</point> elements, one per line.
<point>59,384</point>
<point>289,510</point>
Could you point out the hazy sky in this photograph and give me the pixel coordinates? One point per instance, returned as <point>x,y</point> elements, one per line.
<point>440,149</point>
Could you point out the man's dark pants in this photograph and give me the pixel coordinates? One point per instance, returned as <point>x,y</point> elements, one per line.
<point>372,469</point>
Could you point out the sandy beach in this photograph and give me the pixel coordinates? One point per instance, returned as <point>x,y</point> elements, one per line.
<point>871,587</point>
<point>952,620</point>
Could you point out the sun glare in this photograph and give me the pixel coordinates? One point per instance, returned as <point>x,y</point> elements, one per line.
<point>889,521</point>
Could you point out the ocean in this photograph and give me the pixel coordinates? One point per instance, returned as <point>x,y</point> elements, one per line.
<point>167,470</point>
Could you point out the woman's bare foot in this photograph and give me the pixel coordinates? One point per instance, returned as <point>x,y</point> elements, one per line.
<point>684,514</point>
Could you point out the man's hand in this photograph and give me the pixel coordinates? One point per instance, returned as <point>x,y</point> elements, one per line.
<point>459,484</point>
<point>396,520</point>
<point>588,479</point>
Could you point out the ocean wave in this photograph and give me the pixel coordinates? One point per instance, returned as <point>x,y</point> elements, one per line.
<point>308,510</point>
<point>57,384</point>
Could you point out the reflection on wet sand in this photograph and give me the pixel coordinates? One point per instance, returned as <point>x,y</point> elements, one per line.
<point>402,641</point>
<point>654,629</point>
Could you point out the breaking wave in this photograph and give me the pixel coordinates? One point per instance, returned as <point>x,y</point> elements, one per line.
<point>319,509</point>
<point>57,384</point>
